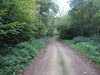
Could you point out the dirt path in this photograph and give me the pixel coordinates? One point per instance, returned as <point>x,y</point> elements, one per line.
<point>59,59</point>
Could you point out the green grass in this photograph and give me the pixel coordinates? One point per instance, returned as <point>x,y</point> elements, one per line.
<point>89,49</point>
<point>18,57</point>
<point>62,63</point>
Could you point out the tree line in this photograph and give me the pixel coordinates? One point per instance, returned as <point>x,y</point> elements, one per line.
<point>21,20</point>
<point>83,19</point>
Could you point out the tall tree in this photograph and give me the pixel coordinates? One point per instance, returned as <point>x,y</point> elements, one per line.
<point>84,17</point>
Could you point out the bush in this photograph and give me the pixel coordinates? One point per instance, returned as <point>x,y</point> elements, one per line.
<point>89,51</point>
<point>70,42</point>
<point>89,47</point>
<point>81,39</point>
<point>19,56</point>
<point>65,32</point>
<point>95,38</point>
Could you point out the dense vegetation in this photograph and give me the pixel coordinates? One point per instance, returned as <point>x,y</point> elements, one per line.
<point>18,57</point>
<point>83,19</point>
<point>21,20</point>
<point>22,24</point>
<point>88,46</point>
<point>81,28</point>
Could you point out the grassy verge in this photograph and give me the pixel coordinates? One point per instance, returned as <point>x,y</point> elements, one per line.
<point>14,59</point>
<point>90,49</point>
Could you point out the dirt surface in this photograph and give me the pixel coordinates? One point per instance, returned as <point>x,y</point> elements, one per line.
<point>59,59</point>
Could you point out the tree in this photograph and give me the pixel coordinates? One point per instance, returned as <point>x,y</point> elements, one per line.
<point>84,18</point>
<point>21,20</point>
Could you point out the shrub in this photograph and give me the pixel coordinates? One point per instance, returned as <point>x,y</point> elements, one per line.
<point>86,48</point>
<point>81,39</point>
<point>65,32</point>
<point>19,56</point>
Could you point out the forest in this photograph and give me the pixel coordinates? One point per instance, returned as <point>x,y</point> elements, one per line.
<point>26,25</point>
<point>81,28</point>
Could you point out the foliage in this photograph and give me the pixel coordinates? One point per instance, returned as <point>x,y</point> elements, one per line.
<point>82,20</point>
<point>81,39</point>
<point>81,25</point>
<point>18,57</point>
<point>21,20</point>
<point>48,10</point>
<point>65,35</point>
<point>64,29</point>
<point>90,49</point>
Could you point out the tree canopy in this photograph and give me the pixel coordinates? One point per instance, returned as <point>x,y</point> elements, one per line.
<point>82,20</point>
<point>21,20</point>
